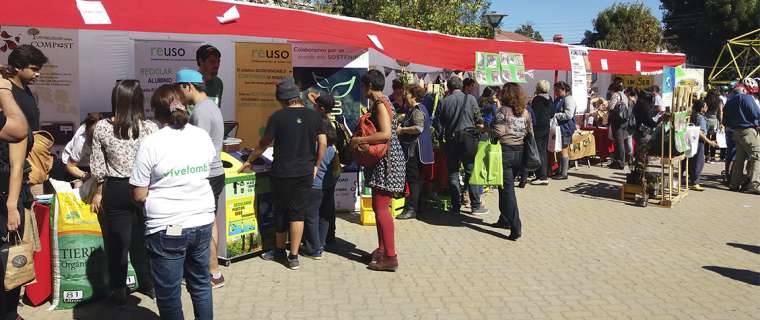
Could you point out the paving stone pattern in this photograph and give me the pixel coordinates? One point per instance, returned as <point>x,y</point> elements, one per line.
<point>583,255</point>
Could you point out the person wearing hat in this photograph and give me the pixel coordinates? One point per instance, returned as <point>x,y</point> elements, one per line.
<point>742,115</point>
<point>207,116</point>
<point>208,59</point>
<point>320,216</point>
<point>299,138</point>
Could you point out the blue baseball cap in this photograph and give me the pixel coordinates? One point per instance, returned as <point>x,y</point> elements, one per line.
<point>189,76</point>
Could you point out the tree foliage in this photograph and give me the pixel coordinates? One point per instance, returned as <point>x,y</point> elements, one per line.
<point>455,17</point>
<point>701,27</point>
<point>528,31</point>
<point>625,27</point>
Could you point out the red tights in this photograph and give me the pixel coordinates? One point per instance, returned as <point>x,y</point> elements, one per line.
<point>381,201</point>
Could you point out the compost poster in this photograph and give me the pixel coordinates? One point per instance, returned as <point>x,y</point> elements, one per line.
<point>258,69</point>
<point>57,88</point>
<point>335,70</point>
<point>157,63</point>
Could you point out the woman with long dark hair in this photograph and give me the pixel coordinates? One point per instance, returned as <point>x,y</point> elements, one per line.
<point>114,145</point>
<point>511,124</point>
<point>170,178</point>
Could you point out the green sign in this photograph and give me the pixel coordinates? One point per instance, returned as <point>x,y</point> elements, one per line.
<point>493,69</point>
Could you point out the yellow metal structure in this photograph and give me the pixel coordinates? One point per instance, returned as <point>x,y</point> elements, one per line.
<point>739,58</point>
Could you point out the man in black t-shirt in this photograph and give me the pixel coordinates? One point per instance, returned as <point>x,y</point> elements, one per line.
<point>25,63</point>
<point>299,144</point>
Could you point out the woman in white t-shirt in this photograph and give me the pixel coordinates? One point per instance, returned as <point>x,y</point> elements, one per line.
<point>169,177</point>
<point>76,154</point>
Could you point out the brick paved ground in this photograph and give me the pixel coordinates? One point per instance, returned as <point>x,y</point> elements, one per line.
<point>583,255</point>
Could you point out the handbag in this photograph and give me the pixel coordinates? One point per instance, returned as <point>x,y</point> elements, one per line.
<point>17,257</point>
<point>530,153</point>
<point>366,127</point>
<point>487,169</point>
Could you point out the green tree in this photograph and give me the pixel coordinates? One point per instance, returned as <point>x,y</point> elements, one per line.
<point>625,27</point>
<point>528,31</point>
<point>462,18</point>
<point>700,28</point>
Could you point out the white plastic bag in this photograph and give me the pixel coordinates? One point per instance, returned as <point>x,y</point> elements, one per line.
<point>692,136</point>
<point>555,140</point>
<point>720,138</point>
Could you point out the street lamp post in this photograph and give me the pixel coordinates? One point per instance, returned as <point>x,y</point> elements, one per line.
<point>494,20</point>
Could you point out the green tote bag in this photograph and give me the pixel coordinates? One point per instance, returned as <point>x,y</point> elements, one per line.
<point>487,169</point>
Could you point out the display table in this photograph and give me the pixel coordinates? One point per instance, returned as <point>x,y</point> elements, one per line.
<point>583,146</point>
<point>604,146</point>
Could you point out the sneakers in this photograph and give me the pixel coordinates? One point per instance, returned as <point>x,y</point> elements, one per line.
<point>697,187</point>
<point>407,214</point>
<point>386,263</point>
<point>540,182</point>
<point>274,255</point>
<point>559,177</point>
<point>217,283</point>
<point>315,256</point>
<point>480,211</point>
<point>293,263</point>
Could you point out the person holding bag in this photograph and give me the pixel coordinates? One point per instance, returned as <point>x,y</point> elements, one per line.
<point>387,175</point>
<point>564,106</point>
<point>511,126</point>
<point>12,181</point>
<point>542,107</point>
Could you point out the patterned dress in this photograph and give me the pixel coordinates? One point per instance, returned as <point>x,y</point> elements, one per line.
<point>389,174</point>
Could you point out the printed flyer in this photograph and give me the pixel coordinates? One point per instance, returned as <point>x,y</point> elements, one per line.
<point>512,67</point>
<point>488,69</point>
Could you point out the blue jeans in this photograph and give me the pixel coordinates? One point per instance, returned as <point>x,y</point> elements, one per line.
<point>458,153</point>
<point>168,255</point>
<point>511,159</point>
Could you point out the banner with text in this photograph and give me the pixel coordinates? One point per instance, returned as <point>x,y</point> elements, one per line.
<point>57,88</point>
<point>157,62</point>
<point>258,69</point>
<point>580,68</point>
<point>334,70</point>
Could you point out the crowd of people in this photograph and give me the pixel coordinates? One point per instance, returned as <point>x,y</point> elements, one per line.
<point>158,182</point>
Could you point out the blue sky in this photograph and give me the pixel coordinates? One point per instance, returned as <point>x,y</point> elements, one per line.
<point>567,17</point>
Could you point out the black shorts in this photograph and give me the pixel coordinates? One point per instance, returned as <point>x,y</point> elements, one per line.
<point>217,187</point>
<point>290,199</point>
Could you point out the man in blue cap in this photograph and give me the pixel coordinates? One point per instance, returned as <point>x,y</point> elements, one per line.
<point>207,116</point>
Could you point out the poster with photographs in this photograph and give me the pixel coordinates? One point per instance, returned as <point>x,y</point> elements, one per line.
<point>512,67</point>
<point>488,69</point>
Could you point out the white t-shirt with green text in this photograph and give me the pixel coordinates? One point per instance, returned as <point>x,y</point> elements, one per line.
<point>174,165</point>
